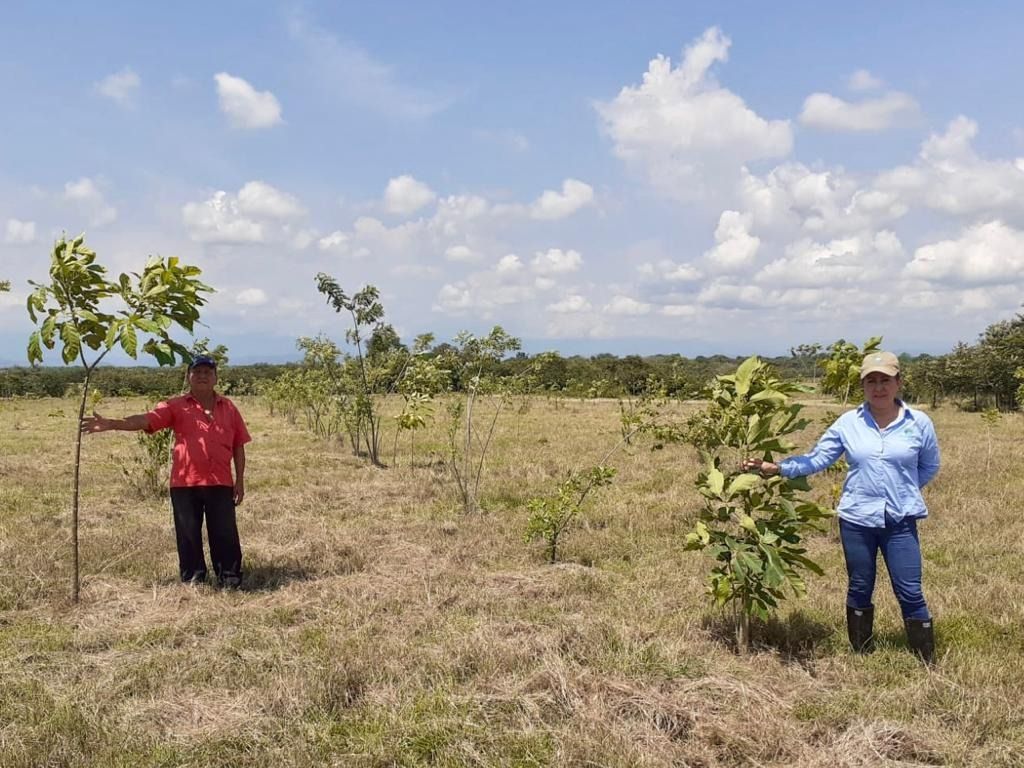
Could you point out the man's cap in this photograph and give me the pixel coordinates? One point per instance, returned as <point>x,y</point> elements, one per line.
<point>880,362</point>
<point>202,360</point>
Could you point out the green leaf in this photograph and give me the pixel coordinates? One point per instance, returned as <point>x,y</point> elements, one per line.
<point>742,483</point>
<point>768,394</point>
<point>745,374</point>
<point>129,341</point>
<point>35,352</point>
<point>72,342</point>
<point>716,481</point>
<point>112,333</point>
<point>147,325</point>
<point>748,523</point>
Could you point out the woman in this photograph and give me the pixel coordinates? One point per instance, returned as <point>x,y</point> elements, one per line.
<point>892,452</point>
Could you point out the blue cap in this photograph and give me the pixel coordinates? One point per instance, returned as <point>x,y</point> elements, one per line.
<point>202,360</point>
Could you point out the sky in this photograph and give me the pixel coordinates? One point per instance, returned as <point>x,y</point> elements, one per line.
<point>651,177</point>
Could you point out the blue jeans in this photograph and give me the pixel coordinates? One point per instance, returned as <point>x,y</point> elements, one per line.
<point>902,553</point>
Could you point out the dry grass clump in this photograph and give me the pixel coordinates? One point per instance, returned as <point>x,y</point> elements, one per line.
<point>380,626</point>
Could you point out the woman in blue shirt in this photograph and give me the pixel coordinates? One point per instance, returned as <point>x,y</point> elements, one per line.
<point>892,452</point>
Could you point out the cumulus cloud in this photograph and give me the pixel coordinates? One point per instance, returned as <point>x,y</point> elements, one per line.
<point>244,106</point>
<point>558,205</point>
<point>570,304</point>
<point>20,232</point>
<point>259,199</point>
<point>831,113</point>
<point>86,195</point>
<point>735,247</point>
<point>509,264</point>
<point>626,305</point>
<point>950,177</point>
<point>555,261</point>
<point>686,132</point>
<point>258,213</point>
<point>985,254</point>
<point>864,258</point>
<point>405,195</point>
<point>862,80</point>
<point>120,87</point>
<point>669,271</point>
<point>460,253</point>
<point>251,297</point>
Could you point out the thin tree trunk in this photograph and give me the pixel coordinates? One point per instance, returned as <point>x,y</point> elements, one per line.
<point>75,581</point>
<point>743,628</point>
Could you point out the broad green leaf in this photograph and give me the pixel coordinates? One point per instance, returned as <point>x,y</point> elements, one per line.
<point>745,374</point>
<point>35,352</point>
<point>147,325</point>
<point>716,481</point>
<point>768,394</point>
<point>72,342</point>
<point>112,333</point>
<point>748,523</point>
<point>129,340</point>
<point>742,483</point>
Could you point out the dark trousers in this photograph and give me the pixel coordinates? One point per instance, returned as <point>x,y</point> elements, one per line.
<point>217,504</point>
<point>902,553</point>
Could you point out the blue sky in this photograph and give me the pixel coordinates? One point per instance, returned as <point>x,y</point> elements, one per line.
<point>657,177</point>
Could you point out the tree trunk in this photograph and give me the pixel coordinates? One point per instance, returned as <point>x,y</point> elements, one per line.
<point>743,628</point>
<point>75,582</point>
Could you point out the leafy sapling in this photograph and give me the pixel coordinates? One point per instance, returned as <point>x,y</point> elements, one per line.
<point>82,311</point>
<point>551,516</point>
<point>751,526</point>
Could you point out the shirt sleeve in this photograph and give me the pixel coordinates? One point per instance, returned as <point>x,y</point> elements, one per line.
<point>241,432</point>
<point>826,453</point>
<point>161,417</point>
<point>928,456</point>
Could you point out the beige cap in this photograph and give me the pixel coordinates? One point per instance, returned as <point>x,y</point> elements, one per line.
<point>880,362</point>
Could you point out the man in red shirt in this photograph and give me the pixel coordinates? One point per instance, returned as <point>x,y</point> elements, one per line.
<point>209,433</point>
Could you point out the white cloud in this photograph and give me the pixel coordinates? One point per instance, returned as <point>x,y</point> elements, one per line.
<point>405,195</point>
<point>120,86</point>
<point>736,248</point>
<point>864,258</point>
<point>682,129</point>
<point>251,297</point>
<point>558,205</point>
<point>85,194</point>
<point>461,253</point>
<point>985,254</point>
<point>219,220</point>
<point>555,261</point>
<point>261,200</point>
<point>570,304</point>
<point>245,106</point>
<point>862,80</point>
<point>258,213</point>
<point>669,271</point>
<point>18,231</point>
<point>950,177</point>
<point>625,305</point>
<point>678,310</point>
<point>830,113</point>
<point>509,264</point>
<point>336,241</point>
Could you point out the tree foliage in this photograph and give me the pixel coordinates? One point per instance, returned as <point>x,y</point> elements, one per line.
<point>842,368</point>
<point>751,526</point>
<point>80,311</point>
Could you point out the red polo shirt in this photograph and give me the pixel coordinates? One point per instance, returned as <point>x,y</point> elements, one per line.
<point>203,445</point>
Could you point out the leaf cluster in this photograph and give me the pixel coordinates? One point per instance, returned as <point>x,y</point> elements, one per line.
<point>551,516</point>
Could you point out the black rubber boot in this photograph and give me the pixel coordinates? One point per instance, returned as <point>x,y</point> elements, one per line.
<point>859,627</point>
<point>921,639</point>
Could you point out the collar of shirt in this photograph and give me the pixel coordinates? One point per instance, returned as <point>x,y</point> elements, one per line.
<point>902,415</point>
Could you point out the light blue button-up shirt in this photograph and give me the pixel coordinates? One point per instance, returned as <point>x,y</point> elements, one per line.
<point>888,467</point>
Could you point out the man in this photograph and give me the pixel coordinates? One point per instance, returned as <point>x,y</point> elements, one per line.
<point>209,433</point>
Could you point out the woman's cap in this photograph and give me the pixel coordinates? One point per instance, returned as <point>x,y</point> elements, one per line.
<point>880,362</point>
<point>202,360</point>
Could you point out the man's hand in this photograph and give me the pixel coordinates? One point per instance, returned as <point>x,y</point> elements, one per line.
<point>239,492</point>
<point>764,468</point>
<point>96,423</point>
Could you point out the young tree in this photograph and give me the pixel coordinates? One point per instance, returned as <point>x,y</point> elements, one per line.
<point>842,369</point>
<point>71,309</point>
<point>5,285</point>
<point>752,526</point>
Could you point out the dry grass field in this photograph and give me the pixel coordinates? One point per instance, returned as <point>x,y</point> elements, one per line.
<point>380,626</point>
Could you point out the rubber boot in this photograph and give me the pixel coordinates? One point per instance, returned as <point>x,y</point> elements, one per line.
<point>921,639</point>
<point>859,627</point>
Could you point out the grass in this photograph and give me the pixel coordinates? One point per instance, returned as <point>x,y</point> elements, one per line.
<point>380,626</point>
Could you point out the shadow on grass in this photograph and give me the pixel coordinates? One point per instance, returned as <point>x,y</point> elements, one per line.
<point>797,638</point>
<point>268,577</point>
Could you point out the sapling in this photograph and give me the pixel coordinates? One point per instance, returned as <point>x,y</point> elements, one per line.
<point>842,368</point>
<point>72,309</point>
<point>991,417</point>
<point>551,516</point>
<point>752,526</point>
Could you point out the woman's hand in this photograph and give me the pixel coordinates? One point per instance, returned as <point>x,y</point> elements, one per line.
<point>765,468</point>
